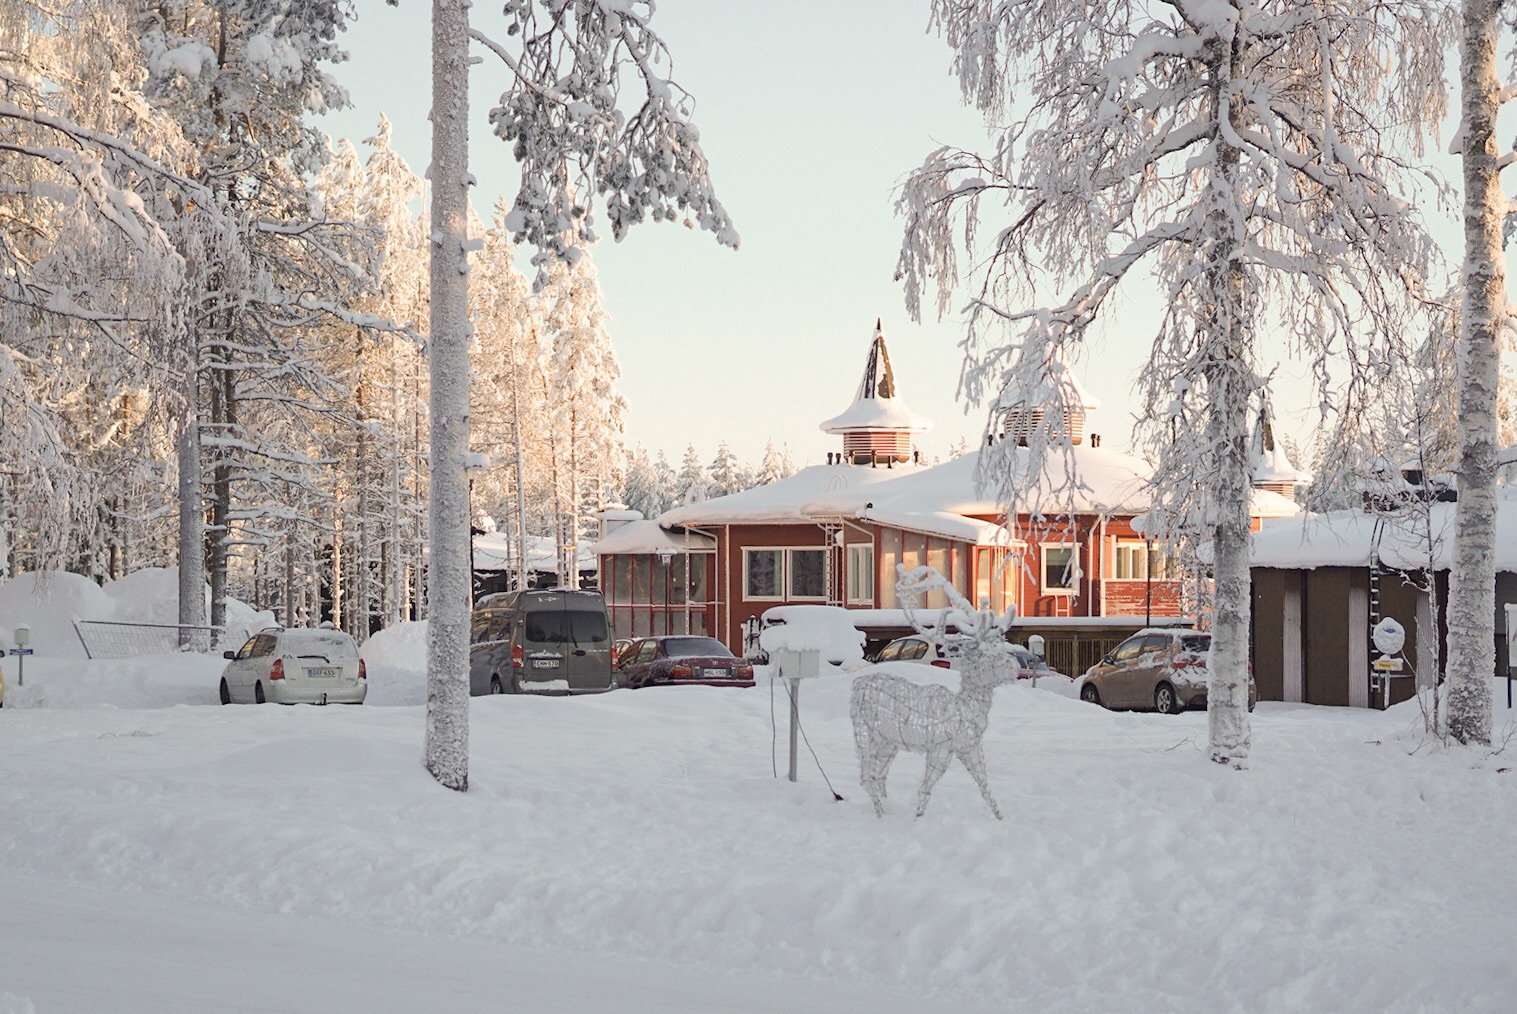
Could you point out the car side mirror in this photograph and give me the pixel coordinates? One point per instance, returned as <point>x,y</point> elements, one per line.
<point>229,655</point>
<point>1108,659</point>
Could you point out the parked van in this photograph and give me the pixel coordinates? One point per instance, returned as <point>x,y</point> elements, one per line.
<point>540,641</point>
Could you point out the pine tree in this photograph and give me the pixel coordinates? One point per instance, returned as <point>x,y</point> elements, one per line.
<point>692,485</point>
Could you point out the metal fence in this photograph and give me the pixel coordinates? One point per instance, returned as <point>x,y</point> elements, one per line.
<point>109,639</point>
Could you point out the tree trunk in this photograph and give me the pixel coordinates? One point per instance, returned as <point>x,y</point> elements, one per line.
<point>448,579</point>
<point>191,516</point>
<point>1228,480</point>
<point>1472,580</point>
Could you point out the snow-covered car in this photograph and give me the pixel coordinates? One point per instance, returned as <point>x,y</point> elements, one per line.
<point>680,660</point>
<point>300,666</point>
<point>1164,670</point>
<point>916,648</point>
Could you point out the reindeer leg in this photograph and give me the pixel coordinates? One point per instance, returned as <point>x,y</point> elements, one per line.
<point>879,765</point>
<point>937,763</point>
<point>887,755</point>
<point>973,758</point>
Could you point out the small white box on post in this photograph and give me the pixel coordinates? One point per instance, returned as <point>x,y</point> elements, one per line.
<point>796,638</point>
<point>793,665</point>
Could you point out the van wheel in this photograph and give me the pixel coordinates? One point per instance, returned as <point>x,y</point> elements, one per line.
<point>258,697</point>
<point>495,687</point>
<point>226,694</point>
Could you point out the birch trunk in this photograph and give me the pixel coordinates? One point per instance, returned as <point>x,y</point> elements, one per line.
<point>191,518</point>
<point>448,579</point>
<point>1472,581</point>
<point>1228,483</point>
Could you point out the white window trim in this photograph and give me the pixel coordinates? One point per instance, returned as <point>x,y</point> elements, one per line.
<point>848,551</point>
<point>1152,552</point>
<point>780,574</point>
<point>1074,558</point>
<point>790,596</point>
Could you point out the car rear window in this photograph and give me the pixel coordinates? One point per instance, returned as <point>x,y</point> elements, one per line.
<point>327,643</point>
<point>575,626</point>
<point>677,646</point>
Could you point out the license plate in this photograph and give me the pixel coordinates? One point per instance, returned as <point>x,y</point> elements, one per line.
<point>324,672</point>
<point>720,674</point>
<point>544,663</point>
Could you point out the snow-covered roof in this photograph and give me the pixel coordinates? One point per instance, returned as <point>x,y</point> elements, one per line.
<point>1345,539</point>
<point>648,537</point>
<point>1272,464</point>
<point>1059,384</point>
<point>1106,482</point>
<point>877,406</point>
<point>781,500</point>
<point>497,551</point>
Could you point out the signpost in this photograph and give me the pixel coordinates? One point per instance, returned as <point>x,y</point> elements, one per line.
<point>23,638</point>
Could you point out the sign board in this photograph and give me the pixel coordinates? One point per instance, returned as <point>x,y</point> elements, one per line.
<point>1384,664</point>
<point>21,651</point>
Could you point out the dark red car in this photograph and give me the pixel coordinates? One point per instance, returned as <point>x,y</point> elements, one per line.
<point>681,660</point>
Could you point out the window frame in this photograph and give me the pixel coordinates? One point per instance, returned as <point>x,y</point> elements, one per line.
<point>790,571</point>
<point>1151,553</point>
<point>858,551</point>
<point>779,574</point>
<point>1071,568</point>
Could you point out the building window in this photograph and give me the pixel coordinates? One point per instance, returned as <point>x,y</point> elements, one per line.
<point>861,574</point>
<point>1060,569</point>
<point>762,573</point>
<point>808,573</point>
<point>1135,561</point>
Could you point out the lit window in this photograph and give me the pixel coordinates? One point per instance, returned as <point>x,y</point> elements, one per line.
<point>1135,561</point>
<point>861,573</point>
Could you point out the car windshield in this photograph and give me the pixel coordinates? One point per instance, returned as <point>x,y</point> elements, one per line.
<point>676,647</point>
<point>329,644</point>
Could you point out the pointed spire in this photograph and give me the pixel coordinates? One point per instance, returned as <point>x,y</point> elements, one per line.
<point>878,425</point>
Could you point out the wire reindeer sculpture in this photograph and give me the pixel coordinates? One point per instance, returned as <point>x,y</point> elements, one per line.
<point>891,714</point>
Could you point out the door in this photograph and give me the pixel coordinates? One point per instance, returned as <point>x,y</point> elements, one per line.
<point>1116,684</point>
<point>1148,669</point>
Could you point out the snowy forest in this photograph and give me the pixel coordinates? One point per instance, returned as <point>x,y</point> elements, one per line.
<point>207,301</point>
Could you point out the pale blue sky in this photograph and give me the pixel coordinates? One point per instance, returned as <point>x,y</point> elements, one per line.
<point>811,112</point>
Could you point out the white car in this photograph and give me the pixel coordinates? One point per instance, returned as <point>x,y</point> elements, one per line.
<point>295,667</point>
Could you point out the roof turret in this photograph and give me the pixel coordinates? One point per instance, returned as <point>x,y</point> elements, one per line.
<point>878,425</point>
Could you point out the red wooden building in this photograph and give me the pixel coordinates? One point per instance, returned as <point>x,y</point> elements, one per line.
<point>835,533</point>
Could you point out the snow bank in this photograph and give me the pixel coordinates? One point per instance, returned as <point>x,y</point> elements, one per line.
<point>396,661</point>
<point>50,601</point>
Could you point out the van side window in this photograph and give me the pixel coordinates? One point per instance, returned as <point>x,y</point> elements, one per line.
<point>490,625</point>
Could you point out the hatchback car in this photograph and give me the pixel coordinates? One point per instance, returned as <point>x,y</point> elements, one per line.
<point>1164,670</point>
<point>681,660</point>
<point>295,667</point>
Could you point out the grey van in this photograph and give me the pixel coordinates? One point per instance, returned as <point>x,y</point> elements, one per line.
<point>540,641</point>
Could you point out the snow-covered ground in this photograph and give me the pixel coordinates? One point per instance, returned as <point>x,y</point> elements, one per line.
<point>635,851</point>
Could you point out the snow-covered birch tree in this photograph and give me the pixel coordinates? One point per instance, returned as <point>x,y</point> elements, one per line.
<point>1242,154</point>
<point>1483,319</point>
<point>589,108</point>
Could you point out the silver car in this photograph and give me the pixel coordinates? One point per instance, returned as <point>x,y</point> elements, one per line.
<point>1165,670</point>
<point>295,667</point>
